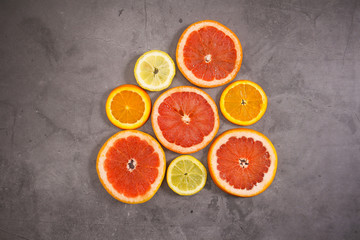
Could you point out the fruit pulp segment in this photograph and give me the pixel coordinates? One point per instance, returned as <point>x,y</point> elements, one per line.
<point>186,175</point>
<point>127,107</point>
<point>230,156</point>
<point>243,102</point>
<point>185,118</point>
<point>138,181</point>
<point>210,54</point>
<point>154,70</point>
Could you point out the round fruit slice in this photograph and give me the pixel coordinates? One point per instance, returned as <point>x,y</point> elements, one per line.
<point>154,70</point>
<point>128,107</point>
<point>185,119</point>
<point>209,54</point>
<point>243,102</point>
<point>131,166</point>
<point>186,175</point>
<point>242,162</point>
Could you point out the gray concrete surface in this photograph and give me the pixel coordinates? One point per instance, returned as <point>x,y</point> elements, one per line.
<point>60,59</point>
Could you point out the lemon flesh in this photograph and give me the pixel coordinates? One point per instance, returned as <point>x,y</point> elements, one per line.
<point>186,175</point>
<point>154,70</point>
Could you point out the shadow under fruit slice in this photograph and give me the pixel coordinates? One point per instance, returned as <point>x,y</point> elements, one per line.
<point>242,162</point>
<point>185,119</point>
<point>131,166</point>
<point>209,54</point>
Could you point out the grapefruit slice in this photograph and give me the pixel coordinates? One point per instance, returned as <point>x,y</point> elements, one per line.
<point>185,119</point>
<point>128,106</point>
<point>242,162</point>
<point>209,54</point>
<point>243,102</point>
<point>131,166</point>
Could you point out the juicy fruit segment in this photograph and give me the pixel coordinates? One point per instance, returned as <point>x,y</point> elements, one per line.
<point>185,119</point>
<point>154,70</point>
<point>242,162</point>
<point>186,175</point>
<point>209,54</point>
<point>128,107</point>
<point>243,102</point>
<point>131,166</point>
<point>187,113</point>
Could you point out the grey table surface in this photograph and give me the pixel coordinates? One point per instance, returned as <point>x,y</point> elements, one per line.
<point>60,59</point>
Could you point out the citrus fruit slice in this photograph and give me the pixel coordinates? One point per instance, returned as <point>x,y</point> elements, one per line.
<point>128,107</point>
<point>185,119</point>
<point>242,162</point>
<point>243,102</point>
<point>131,166</point>
<point>186,175</point>
<point>209,54</point>
<point>154,70</point>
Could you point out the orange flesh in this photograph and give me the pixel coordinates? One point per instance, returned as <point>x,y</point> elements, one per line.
<point>209,41</point>
<point>136,182</point>
<point>243,102</point>
<point>127,107</point>
<point>232,152</point>
<point>185,118</point>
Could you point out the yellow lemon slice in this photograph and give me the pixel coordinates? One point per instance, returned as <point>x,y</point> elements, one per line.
<point>154,70</point>
<point>186,175</point>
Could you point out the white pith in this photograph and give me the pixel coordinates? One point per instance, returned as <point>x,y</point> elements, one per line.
<point>190,75</point>
<point>102,158</point>
<point>268,176</point>
<point>155,114</point>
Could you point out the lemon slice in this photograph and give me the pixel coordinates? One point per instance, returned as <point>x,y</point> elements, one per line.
<point>186,175</point>
<point>154,70</point>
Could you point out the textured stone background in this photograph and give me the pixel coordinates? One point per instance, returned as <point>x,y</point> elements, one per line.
<point>60,59</point>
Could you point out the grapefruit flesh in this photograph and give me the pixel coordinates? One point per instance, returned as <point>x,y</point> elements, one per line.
<point>209,54</point>
<point>242,162</point>
<point>185,119</point>
<point>131,166</point>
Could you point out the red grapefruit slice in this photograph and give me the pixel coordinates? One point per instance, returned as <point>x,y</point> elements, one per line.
<point>131,166</point>
<point>209,54</point>
<point>185,119</point>
<point>242,162</point>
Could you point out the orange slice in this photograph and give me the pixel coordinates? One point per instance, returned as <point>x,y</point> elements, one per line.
<point>209,54</point>
<point>242,162</point>
<point>128,107</point>
<point>185,119</point>
<point>243,102</point>
<point>131,166</point>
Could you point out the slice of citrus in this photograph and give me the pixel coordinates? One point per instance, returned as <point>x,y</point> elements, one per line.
<point>242,162</point>
<point>154,70</point>
<point>186,175</point>
<point>185,119</point>
<point>128,107</point>
<point>131,166</point>
<point>209,54</point>
<point>243,102</point>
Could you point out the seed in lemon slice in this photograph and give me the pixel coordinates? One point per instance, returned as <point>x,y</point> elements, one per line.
<point>128,106</point>
<point>243,102</point>
<point>154,70</point>
<point>186,175</point>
